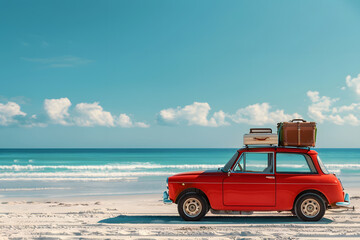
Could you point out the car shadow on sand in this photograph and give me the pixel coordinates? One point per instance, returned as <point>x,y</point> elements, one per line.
<point>141,219</point>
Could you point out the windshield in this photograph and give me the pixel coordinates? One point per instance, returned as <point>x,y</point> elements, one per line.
<point>230,163</point>
<point>322,166</point>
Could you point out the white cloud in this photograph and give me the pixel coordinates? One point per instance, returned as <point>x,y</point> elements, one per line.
<point>125,121</point>
<point>346,108</point>
<point>313,95</point>
<point>92,114</point>
<point>218,119</point>
<point>141,125</point>
<point>194,114</point>
<point>352,120</point>
<point>260,114</point>
<point>353,83</point>
<point>57,110</point>
<point>320,110</point>
<point>30,124</point>
<point>85,115</point>
<point>320,106</point>
<point>8,113</point>
<point>336,119</point>
<point>198,114</point>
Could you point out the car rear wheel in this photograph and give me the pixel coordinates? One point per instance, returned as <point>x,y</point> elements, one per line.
<point>310,207</point>
<point>192,207</point>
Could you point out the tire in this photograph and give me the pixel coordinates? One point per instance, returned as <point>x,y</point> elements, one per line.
<point>310,207</point>
<point>192,207</point>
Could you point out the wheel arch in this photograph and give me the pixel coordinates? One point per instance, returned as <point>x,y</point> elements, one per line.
<point>312,191</point>
<point>193,190</point>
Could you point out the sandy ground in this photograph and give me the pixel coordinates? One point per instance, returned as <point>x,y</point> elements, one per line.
<point>146,217</point>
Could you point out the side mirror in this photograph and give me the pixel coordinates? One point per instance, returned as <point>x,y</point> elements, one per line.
<point>229,172</point>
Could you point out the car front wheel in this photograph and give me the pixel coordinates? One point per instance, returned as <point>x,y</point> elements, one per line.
<point>310,207</point>
<point>192,207</point>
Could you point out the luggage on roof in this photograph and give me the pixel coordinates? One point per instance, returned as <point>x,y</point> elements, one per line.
<point>260,136</point>
<point>297,133</point>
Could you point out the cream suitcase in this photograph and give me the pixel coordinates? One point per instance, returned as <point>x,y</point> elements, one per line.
<point>260,136</point>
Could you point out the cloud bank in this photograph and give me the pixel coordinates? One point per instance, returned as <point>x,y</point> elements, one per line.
<point>322,110</point>
<point>261,114</point>
<point>92,114</point>
<point>85,115</point>
<point>198,114</point>
<point>9,112</point>
<point>194,114</point>
<point>61,111</point>
<point>320,106</point>
<point>353,83</point>
<point>58,110</point>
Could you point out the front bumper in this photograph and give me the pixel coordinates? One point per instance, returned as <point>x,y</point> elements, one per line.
<point>166,199</point>
<point>346,203</point>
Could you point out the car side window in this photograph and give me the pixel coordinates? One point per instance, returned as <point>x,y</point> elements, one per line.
<point>255,163</point>
<point>294,163</point>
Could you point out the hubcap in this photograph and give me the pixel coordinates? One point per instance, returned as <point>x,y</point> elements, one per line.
<point>310,208</point>
<point>192,207</point>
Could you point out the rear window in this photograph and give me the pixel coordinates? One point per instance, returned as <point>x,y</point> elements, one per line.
<point>294,163</point>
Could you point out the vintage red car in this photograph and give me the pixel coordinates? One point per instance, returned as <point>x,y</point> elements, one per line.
<point>260,179</point>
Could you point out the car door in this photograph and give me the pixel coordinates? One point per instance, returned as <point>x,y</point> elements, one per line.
<point>251,181</point>
<point>295,172</point>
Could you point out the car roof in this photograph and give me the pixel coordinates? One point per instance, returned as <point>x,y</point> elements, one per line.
<point>278,149</point>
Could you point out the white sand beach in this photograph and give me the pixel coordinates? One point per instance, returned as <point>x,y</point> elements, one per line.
<point>146,217</point>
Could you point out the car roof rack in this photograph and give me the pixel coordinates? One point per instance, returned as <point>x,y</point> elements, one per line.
<point>275,146</point>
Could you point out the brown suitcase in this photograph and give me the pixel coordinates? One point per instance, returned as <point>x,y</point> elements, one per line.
<point>297,133</point>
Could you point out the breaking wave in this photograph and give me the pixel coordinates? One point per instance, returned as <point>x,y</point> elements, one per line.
<point>83,174</point>
<point>109,167</point>
<point>119,172</point>
<point>86,179</point>
<point>151,166</point>
<point>32,189</point>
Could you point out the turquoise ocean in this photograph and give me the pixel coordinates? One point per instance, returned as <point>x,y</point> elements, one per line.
<point>47,173</point>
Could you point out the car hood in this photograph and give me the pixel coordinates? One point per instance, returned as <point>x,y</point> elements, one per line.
<point>197,173</point>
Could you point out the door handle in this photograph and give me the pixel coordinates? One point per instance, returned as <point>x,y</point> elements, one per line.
<point>270,177</point>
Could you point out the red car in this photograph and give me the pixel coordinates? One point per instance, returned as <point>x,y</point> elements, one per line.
<point>259,179</point>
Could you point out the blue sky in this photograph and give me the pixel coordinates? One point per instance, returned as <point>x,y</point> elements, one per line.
<point>176,73</point>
